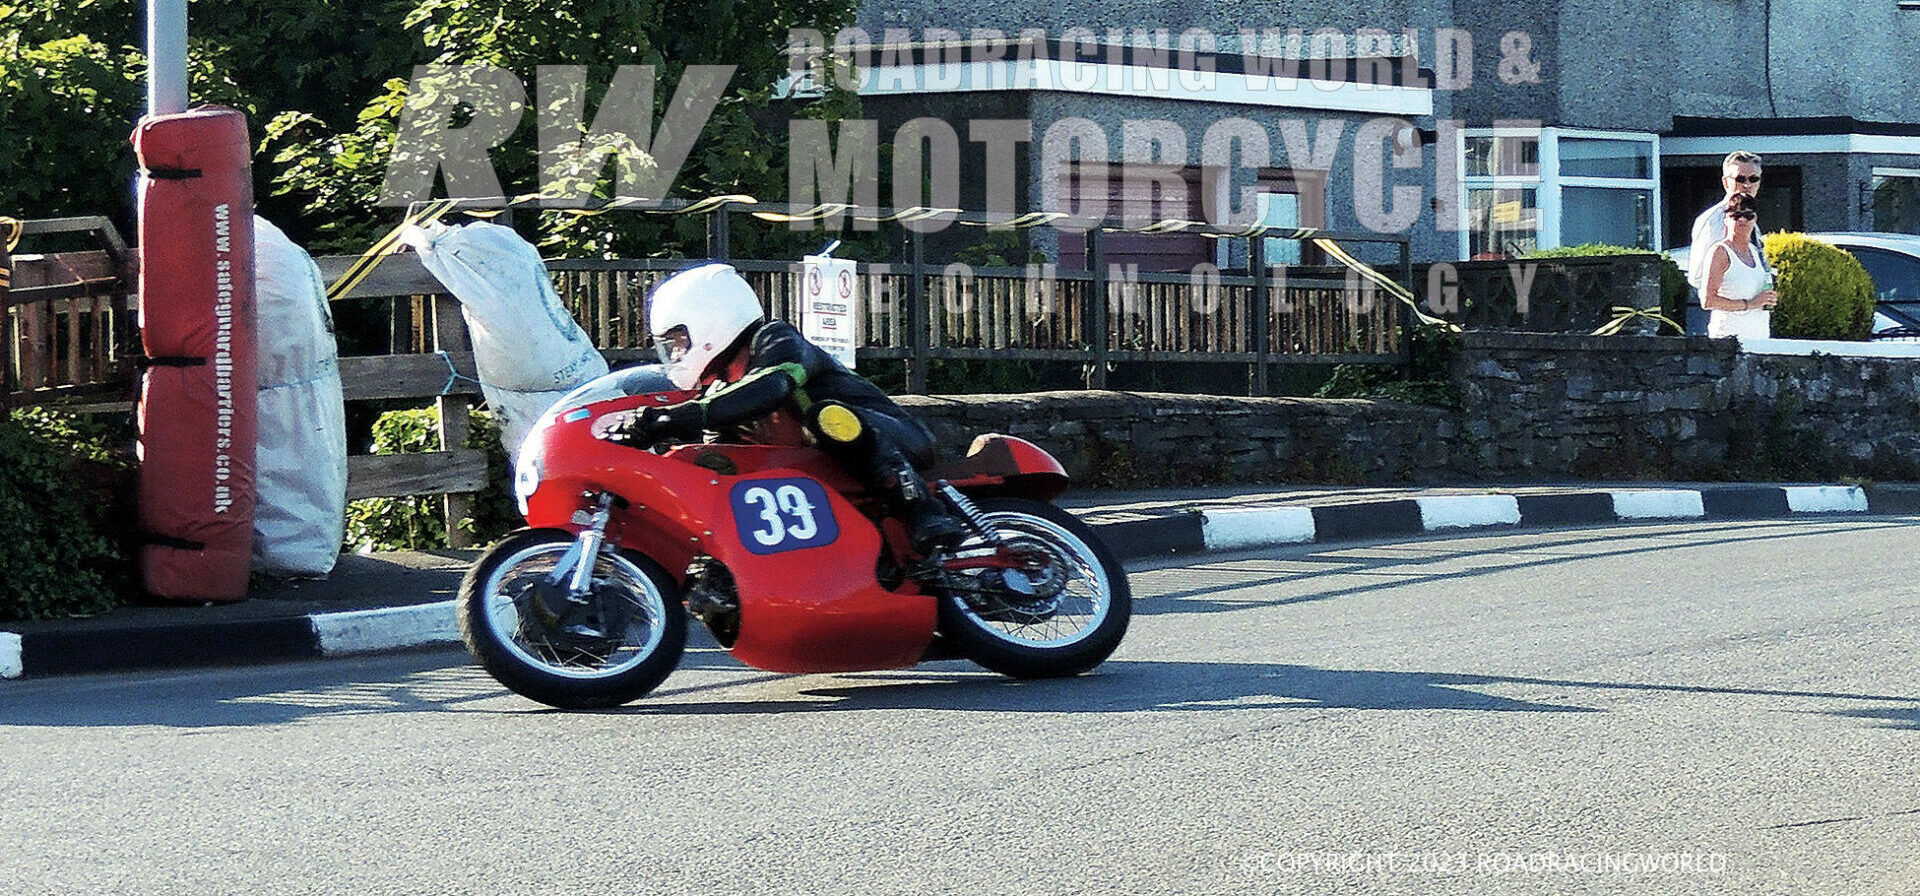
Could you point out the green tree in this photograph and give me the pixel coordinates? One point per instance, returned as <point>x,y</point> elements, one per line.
<point>323,83</point>
<point>740,148</point>
<point>56,157</point>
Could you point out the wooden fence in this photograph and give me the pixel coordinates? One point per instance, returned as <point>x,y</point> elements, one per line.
<point>68,326</point>
<point>73,336</point>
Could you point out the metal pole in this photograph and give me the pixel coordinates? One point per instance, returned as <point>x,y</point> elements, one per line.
<point>1099,321</point>
<point>917,314</point>
<point>1407,319</point>
<point>1262,311</point>
<point>167,55</point>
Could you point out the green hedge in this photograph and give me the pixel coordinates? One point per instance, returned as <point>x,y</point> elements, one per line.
<point>1824,292</point>
<point>1428,378</point>
<point>415,523</point>
<point>67,518</point>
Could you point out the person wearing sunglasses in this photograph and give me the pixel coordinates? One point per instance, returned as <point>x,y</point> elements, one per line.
<point>1736,293</point>
<point>1740,176</point>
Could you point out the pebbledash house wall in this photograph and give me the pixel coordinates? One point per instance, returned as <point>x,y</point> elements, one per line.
<point>1825,88</point>
<point>1535,407</point>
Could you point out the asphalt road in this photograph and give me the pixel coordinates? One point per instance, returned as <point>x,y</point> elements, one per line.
<point>1684,709</point>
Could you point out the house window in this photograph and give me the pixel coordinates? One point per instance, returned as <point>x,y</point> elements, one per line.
<point>1285,198</point>
<point>1281,197</point>
<point>1502,179</point>
<point>1538,188</point>
<point>1280,210</point>
<point>1503,221</point>
<point>1896,200</point>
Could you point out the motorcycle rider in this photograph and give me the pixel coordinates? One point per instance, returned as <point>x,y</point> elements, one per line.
<point>766,384</point>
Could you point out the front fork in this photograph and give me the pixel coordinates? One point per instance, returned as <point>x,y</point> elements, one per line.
<point>575,567</point>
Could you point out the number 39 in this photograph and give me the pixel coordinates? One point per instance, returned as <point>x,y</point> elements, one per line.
<point>786,513</point>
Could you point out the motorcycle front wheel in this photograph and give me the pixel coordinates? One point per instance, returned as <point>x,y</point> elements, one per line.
<point>608,647</point>
<point>1062,618</point>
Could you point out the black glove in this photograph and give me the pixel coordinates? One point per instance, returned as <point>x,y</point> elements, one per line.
<point>679,422</point>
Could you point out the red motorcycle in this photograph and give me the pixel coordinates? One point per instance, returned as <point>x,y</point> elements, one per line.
<point>783,557</point>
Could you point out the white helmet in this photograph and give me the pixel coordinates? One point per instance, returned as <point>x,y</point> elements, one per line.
<point>696,314</point>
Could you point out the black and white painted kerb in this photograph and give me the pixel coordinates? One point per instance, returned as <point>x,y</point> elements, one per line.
<point>314,636</point>
<point>1239,528</point>
<point>1178,532</point>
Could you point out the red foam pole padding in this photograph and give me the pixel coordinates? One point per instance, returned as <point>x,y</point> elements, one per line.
<point>197,398</point>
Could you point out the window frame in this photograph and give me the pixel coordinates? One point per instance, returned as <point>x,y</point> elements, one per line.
<point>1548,181</point>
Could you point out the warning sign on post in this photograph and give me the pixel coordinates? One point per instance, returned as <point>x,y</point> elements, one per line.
<point>829,293</point>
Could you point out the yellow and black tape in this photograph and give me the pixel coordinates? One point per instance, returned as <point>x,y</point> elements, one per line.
<point>10,231</point>
<point>422,213</point>
<point>1392,288</point>
<point>356,273</point>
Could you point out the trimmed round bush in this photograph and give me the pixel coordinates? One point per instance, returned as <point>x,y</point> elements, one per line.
<point>1824,292</point>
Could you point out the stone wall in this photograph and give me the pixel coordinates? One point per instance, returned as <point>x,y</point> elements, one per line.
<point>1157,439</point>
<point>1535,407</point>
<point>1595,407</point>
<point>1683,408</point>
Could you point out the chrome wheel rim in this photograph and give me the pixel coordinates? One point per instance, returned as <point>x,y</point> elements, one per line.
<point>1084,602</point>
<point>644,606</point>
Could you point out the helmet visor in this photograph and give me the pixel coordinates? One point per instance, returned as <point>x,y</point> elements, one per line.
<point>673,344</point>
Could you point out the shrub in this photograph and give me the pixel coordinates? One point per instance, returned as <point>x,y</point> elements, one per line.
<point>415,523</point>
<point>66,514</point>
<point>1673,281</point>
<point>1824,292</point>
<point>1428,378</point>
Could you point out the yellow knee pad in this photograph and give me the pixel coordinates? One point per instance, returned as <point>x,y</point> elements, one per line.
<point>839,423</point>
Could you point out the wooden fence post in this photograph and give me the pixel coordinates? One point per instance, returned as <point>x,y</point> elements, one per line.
<point>450,335</point>
<point>719,234</point>
<point>8,233</point>
<point>6,319</point>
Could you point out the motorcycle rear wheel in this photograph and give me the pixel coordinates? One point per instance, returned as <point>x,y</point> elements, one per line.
<point>611,650</point>
<point>1054,636</point>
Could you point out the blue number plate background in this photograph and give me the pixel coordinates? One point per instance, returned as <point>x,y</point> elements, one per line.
<point>773,516</point>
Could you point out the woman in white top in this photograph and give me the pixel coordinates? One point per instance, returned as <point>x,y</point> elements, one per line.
<point>1737,279</point>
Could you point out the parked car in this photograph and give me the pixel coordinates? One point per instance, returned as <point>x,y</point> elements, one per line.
<point>1891,259</point>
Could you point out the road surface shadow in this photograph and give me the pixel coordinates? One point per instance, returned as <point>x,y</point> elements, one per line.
<point>1144,686</point>
<point>442,682</point>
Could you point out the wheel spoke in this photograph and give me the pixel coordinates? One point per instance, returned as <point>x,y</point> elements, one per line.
<point>1079,607</point>
<point>572,647</point>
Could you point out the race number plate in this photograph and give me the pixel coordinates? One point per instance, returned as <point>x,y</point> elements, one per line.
<point>774,516</point>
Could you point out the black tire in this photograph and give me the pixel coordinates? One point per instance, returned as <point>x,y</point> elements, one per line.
<point>1067,634</point>
<point>561,668</point>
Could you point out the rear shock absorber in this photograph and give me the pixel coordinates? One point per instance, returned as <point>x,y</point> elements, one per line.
<point>969,512</point>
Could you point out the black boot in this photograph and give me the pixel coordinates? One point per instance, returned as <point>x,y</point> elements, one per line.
<point>930,527</point>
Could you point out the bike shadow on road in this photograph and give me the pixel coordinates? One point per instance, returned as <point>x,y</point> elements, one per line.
<point>1156,686</point>
<point>429,683</point>
<point>1117,686</point>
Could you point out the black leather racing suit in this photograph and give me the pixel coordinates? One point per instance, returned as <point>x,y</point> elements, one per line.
<point>785,372</point>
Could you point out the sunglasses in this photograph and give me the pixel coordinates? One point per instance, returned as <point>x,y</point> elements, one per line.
<point>1742,216</point>
<point>1746,178</point>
